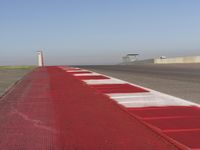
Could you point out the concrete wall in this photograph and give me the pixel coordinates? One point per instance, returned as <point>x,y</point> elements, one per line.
<point>176,60</point>
<point>190,59</point>
<point>146,61</point>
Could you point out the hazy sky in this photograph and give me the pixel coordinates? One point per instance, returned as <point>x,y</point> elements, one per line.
<point>97,31</point>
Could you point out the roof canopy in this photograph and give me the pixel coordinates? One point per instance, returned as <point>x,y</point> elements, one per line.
<point>132,54</point>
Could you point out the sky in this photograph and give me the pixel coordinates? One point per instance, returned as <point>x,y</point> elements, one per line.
<point>82,32</point>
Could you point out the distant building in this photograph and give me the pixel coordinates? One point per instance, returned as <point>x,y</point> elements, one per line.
<point>163,57</point>
<point>129,58</point>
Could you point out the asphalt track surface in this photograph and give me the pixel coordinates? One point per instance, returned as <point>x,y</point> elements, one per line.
<point>50,109</point>
<point>180,80</point>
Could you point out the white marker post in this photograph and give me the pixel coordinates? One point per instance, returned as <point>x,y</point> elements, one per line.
<point>40,59</point>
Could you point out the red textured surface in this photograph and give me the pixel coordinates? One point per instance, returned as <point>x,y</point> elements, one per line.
<point>26,117</point>
<point>52,110</point>
<point>181,123</point>
<point>118,88</point>
<point>189,138</point>
<point>176,124</point>
<point>91,77</point>
<point>164,112</point>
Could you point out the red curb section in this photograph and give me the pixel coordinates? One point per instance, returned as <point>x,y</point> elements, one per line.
<point>50,109</point>
<point>82,72</point>
<point>89,120</point>
<point>91,77</point>
<point>181,123</point>
<point>178,124</point>
<point>118,88</point>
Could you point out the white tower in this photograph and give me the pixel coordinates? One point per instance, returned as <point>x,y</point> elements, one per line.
<point>40,59</point>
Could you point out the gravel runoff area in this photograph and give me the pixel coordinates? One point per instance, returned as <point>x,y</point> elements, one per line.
<point>180,80</point>
<point>11,74</point>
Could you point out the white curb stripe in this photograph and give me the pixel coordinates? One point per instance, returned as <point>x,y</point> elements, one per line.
<point>87,74</point>
<point>76,70</point>
<point>123,97</point>
<point>129,95</point>
<point>151,103</point>
<point>136,100</point>
<point>103,81</point>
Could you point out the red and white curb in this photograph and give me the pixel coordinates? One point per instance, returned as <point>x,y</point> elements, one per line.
<point>175,118</point>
